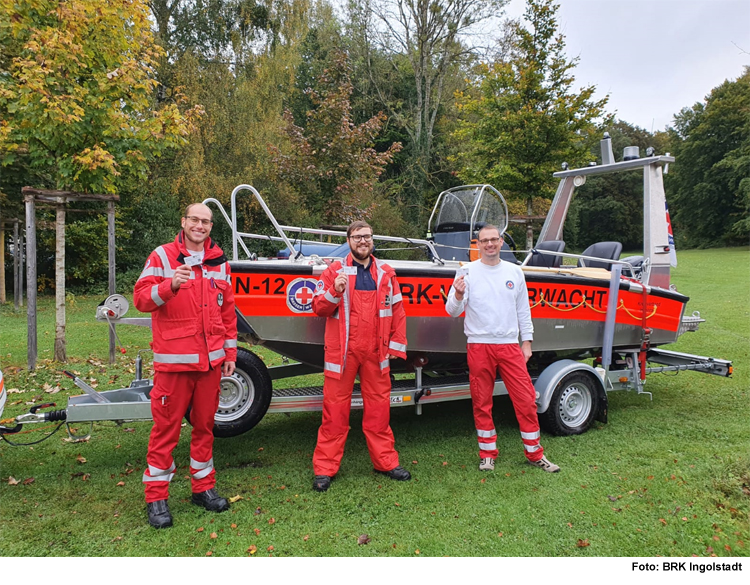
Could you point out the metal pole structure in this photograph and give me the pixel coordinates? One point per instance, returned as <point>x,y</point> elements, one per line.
<point>16,267</point>
<point>111,261</point>
<point>2,262</point>
<point>31,349</point>
<point>21,261</point>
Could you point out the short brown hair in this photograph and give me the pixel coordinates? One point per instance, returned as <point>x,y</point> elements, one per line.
<point>357,225</point>
<point>489,226</point>
<point>187,209</point>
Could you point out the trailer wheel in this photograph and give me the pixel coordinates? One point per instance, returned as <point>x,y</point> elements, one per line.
<point>573,406</point>
<point>244,396</point>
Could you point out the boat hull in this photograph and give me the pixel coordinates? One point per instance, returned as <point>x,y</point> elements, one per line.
<point>568,311</point>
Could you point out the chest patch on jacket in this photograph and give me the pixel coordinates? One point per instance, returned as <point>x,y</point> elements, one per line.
<point>220,299</point>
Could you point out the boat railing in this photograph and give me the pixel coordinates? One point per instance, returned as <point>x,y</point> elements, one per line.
<point>294,254</point>
<point>531,253</point>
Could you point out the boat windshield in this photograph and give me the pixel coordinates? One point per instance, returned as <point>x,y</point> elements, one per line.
<point>470,207</point>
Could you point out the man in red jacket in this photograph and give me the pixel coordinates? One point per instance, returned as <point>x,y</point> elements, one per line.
<point>365,327</point>
<point>186,286</point>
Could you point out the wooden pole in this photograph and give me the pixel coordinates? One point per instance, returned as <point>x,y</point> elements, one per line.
<point>16,267</point>
<point>2,262</point>
<point>111,262</point>
<point>31,347</point>
<point>60,354</point>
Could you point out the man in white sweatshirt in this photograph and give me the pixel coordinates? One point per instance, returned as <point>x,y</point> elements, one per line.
<point>493,294</point>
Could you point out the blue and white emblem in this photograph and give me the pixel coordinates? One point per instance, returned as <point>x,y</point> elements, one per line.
<point>299,295</point>
<point>510,284</point>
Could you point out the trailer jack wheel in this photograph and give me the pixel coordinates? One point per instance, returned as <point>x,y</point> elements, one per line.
<point>574,405</point>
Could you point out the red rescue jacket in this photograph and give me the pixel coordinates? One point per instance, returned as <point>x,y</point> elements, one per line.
<point>197,325</point>
<point>391,331</point>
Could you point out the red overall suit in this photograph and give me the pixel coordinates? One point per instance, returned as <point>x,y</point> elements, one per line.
<point>194,332</point>
<point>362,329</point>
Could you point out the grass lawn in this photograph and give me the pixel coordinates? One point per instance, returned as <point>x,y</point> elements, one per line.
<point>664,477</point>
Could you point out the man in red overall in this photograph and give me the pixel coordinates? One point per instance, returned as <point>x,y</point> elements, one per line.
<point>365,328</point>
<point>186,286</point>
<point>493,293</point>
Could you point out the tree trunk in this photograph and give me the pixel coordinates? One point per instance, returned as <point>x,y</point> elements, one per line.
<point>60,354</point>
<point>31,337</point>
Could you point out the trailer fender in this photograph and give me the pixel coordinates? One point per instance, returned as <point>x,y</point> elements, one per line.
<point>548,380</point>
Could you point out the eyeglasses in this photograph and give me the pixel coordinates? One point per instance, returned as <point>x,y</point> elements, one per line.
<point>365,237</point>
<point>492,241</point>
<point>195,220</point>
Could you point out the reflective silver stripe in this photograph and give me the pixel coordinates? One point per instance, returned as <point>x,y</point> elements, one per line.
<point>215,355</point>
<point>168,270</point>
<point>230,343</point>
<point>488,446</point>
<point>331,299</point>
<point>386,313</point>
<point>531,448</point>
<point>155,296</point>
<point>332,367</point>
<point>486,434</point>
<point>397,346</point>
<point>203,467</point>
<point>177,358</point>
<point>530,436</point>
<point>156,474</point>
<point>384,364</point>
<point>396,299</point>
<point>151,272</point>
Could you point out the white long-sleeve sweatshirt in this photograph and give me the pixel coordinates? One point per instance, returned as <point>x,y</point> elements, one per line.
<point>496,303</point>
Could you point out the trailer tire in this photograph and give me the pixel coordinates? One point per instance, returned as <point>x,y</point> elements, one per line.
<point>244,397</point>
<point>573,407</point>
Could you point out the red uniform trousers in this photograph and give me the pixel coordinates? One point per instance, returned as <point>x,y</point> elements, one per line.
<point>171,396</point>
<point>484,362</point>
<point>362,358</point>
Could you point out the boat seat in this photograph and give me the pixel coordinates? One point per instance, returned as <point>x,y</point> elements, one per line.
<point>603,250</point>
<point>547,259</point>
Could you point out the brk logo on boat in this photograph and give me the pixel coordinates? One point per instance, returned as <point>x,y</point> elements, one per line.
<point>299,295</point>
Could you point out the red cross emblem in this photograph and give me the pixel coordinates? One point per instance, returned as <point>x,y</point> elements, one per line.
<point>304,295</point>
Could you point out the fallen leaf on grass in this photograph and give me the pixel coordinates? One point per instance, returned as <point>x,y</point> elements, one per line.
<point>363,539</point>
<point>86,477</point>
<point>483,480</point>
<point>28,481</point>
<point>117,538</point>
<point>306,537</point>
<point>234,499</point>
<point>414,462</point>
<point>612,498</point>
<point>270,548</point>
<point>445,463</point>
<point>233,526</point>
<point>272,520</point>
<point>727,547</point>
<point>583,543</point>
<point>257,531</point>
<point>12,481</point>
<point>252,549</point>
<point>663,521</point>
<point>128,430</point>
<point>201,529</point>
<point>120,483</point>
<point>209,554</point>
<point>416,552</point>
<point>81,459</point>
<point>709,550</point>
<point>257,511</point>
<point>570,525</point>
<point>500,534</point>
<point>214,535</point>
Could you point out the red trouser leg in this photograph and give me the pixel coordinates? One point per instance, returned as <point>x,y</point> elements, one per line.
<point>170,397</point>
<point>513,370</point>
<point>204,406</point>
<point>376,396</point>
<point>337,404</point>
<point>482,369</point>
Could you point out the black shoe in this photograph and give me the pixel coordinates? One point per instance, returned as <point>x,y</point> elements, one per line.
<point>397,473</point>
<point>321,483</point>
<point>211,501</point>
<point>158,514</point>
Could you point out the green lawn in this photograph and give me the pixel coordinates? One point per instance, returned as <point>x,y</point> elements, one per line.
<point>664,477</point>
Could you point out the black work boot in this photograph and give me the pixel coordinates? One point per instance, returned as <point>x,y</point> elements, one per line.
<point>158,514</point>
<point>397,473</point>
<point>321,483</point>
<point>211,501</point>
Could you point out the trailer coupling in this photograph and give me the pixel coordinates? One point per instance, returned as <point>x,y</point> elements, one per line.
<point>675,361</point>
<point>34,416</point>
